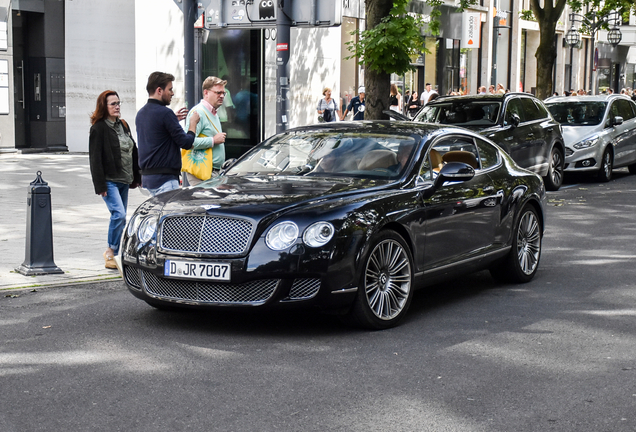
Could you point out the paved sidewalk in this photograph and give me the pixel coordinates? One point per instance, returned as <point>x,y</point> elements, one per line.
<point>80,218</point>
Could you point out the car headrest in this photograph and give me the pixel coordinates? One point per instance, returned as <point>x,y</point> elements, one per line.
<point>461,156</point>
<point>377,159</point>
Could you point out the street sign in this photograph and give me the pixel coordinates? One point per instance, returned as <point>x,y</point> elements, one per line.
<point>263,13</point>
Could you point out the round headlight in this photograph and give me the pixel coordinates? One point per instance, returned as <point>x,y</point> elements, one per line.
<point>282,236</point>
<point>318,234</point>
<point>147,229</point>
<point>132,225</point>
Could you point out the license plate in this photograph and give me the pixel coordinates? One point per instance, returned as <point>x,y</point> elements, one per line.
<point>197,270</point>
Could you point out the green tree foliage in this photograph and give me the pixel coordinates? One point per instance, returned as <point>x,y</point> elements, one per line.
<point>392,39</point>
<point>547,13</point>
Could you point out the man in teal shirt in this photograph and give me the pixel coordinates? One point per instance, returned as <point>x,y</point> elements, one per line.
<point>208,131</point>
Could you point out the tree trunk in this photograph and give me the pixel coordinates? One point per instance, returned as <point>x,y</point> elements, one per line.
<point>547,17</point>
<point>378,84</point>
<point>546,57</point>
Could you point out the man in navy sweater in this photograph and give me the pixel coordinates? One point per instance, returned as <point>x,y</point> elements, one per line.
<point>160,137</point>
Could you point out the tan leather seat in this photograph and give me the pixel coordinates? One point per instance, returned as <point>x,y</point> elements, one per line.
<point>436,160</point>
<point>461,156</point>
<point>377,159</point>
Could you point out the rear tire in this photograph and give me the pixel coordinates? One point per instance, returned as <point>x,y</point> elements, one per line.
<point>607,162</point>
<point>385,289</point>
<point>522,262</point>
<point>632,168</point>
<point>554,178</point>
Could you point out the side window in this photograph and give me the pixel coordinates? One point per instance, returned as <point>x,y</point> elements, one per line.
<point>614,110</point>
<point>624,108</point>
<point>513,107</point>
<point>449,149</point>
<point>488,155</point>
<point>542,110</point>
<point>530,110</point>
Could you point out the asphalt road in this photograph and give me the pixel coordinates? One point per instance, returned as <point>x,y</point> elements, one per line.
<point>557,354</point>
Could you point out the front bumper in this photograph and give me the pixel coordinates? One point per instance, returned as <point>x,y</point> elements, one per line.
<point>263,278</point>
<point>584,160</point>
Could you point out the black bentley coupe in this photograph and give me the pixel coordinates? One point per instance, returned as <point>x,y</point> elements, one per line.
<point>346,216</point>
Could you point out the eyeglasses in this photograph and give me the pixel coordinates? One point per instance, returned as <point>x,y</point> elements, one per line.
<point>220,93</point>
<point>115,103</point>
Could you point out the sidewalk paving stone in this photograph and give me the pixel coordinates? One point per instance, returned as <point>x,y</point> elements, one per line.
<point>80,218</point>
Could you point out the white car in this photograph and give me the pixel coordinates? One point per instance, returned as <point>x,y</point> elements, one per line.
<point>599,132</point>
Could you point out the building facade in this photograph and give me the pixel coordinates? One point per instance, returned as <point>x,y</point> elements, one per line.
<point>56,56</point>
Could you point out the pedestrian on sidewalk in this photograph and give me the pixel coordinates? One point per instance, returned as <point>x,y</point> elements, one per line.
<point>356,106</point>
<point>113,162</point>
<point>161,137</point>
<point>207,156</point>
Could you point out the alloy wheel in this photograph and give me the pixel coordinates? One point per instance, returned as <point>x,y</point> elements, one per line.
<point>387,279</point>
<point>528,242</point>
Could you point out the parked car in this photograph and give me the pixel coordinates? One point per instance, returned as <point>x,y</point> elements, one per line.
<point>518,122</point>
<point>599,133</point>
<point>346,216</point>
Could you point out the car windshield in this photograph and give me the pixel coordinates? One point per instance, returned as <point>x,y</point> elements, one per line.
<point>578,113</point>
<point>467,113</point>
<point>323,153</point>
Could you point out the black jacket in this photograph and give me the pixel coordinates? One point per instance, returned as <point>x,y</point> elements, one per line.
<point>105,155</point>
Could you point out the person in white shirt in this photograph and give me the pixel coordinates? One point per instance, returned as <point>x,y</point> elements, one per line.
<point>426,95</point>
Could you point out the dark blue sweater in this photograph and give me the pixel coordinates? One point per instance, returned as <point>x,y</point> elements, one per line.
<point>160,139</point>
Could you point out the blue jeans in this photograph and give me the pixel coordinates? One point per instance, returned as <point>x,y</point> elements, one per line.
<point>116,200</point>
<point>167,186</point>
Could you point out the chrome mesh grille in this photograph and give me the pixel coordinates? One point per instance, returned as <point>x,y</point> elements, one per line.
<point>255,292</point>
<point>206,234</point>
<point>304,289</point>
<point>132,277</point>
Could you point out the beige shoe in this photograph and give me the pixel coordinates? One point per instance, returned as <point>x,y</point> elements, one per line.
<point>109,261</point>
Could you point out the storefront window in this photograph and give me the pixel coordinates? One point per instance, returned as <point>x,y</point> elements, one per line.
<point>501,43</point>
<point>234,55</point>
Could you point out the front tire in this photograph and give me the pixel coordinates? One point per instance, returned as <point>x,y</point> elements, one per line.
<point>522,262</point>
<point>607,162</point>
<point>385,289</point>
<point>554,178</point>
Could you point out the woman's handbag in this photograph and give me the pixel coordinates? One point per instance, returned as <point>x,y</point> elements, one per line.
<point>198,162</point>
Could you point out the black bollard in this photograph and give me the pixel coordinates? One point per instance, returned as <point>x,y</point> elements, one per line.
<point>39,231</point>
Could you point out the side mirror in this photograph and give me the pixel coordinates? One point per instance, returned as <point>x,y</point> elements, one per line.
<point>452,171</point>
<point>227,165</point>
<point>515,120</point>
<point>616,121</point>
<point>455,172</point>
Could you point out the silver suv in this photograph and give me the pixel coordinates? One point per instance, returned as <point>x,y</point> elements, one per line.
<point>599,132</point>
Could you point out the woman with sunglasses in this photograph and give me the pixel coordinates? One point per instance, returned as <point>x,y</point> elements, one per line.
<point>114,167</point>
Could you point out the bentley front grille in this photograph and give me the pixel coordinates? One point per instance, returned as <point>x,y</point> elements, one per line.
<point>132,277</point>
<point>206,234</point>
<point>303,289</point>
<point>249,293</point>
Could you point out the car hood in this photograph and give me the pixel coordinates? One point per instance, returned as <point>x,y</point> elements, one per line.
<point>259,196</point>
<point>574,134</point>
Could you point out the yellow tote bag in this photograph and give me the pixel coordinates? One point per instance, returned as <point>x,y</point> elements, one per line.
<point>198,162</point>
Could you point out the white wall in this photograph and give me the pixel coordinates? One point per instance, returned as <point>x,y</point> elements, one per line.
<point>159,39</point>
<point>100,55</point>
<point>115,45</point>
<point>314,63</point>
